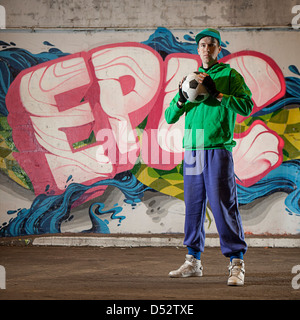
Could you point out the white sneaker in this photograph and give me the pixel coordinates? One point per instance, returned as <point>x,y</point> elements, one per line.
<point>191,268</point>
<point>236,273</point>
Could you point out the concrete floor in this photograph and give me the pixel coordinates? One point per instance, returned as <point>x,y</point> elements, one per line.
<point>142,273</point>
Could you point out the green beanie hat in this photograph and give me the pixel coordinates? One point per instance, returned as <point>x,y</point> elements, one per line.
<point>208,33</point>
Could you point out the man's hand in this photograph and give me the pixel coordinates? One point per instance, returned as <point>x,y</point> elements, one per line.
<point>182,99</point>
<point>209,85</point>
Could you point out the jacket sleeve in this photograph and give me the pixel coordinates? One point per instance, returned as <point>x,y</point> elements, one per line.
<point>173,113</point>
<point>239,99</point>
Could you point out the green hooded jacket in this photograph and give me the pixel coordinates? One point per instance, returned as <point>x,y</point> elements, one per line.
<point>210,124</point>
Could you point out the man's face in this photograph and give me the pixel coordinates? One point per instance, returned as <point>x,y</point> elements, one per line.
<point>208,50</point>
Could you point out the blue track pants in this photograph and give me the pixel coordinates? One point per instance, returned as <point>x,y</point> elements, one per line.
<point>209,175</point>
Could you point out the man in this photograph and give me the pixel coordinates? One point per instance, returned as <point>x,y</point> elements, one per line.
<point>208,165</point>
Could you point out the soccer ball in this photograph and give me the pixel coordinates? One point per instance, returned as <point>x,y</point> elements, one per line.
<point>192,89</point>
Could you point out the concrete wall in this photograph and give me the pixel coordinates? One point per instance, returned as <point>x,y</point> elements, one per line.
<point>83,89</point>
<point>142,14</point>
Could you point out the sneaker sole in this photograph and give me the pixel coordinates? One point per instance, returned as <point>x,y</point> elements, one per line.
<point>186,275</point>
<point>235,284</point>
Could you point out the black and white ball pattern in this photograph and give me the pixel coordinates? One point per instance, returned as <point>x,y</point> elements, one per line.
<point>193,90</point>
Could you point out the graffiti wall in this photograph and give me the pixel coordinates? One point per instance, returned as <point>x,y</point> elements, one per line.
<point>84,146</point>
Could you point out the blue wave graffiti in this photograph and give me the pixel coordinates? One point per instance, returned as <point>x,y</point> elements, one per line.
<point>285,178</point>
<point>164,42</point>
<point>47,212</point>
